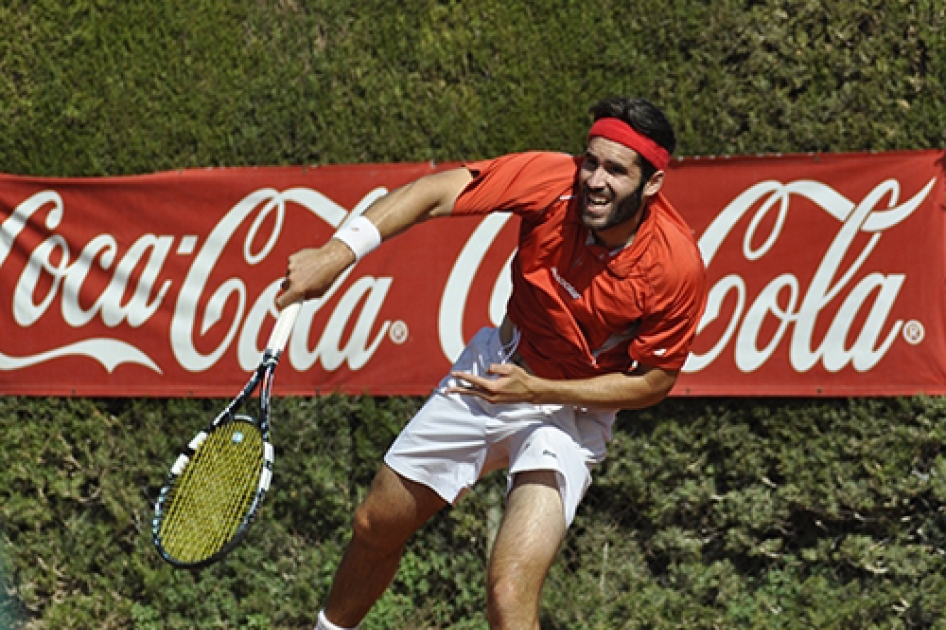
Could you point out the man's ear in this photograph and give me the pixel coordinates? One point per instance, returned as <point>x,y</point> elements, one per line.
<point>654,184</point>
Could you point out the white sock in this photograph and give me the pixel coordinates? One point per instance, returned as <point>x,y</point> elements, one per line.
<point>325,624</point>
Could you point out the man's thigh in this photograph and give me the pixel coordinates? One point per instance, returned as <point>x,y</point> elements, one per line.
<point>531,533</point>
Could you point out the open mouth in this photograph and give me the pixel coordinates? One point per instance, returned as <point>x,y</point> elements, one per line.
<point>596,204</point>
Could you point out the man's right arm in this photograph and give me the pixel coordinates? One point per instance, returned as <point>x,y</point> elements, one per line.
<point>311,272</point>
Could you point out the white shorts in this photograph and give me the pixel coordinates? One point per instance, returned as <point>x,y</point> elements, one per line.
<point>456,439</point>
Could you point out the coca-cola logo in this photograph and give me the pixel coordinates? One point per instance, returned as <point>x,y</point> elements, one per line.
<point>180,293</point>
<point>795,304</point>
<point>54,274</point>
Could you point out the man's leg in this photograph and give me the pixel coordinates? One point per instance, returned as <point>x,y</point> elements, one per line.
<point>393,510</point>
<point>526,545</point>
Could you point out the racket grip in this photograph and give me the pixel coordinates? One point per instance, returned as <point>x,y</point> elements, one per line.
<point>280,334</point>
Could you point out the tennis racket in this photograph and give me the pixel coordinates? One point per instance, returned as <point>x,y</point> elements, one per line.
<point>218,482</point>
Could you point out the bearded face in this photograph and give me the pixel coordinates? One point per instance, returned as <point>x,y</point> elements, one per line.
<point>599,214</point>
<point>611,190</point>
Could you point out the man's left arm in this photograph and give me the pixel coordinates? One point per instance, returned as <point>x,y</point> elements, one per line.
<point>643,387</point>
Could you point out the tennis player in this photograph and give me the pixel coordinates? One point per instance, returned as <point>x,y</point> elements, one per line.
<point>607,291</point>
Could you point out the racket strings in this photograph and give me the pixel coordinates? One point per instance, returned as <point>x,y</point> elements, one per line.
<point>209,503</point>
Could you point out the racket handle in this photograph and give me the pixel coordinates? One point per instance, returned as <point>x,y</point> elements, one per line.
<point>280,334</point>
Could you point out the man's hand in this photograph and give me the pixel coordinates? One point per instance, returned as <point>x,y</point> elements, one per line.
<point>511,385</point>
<point>310,273</point>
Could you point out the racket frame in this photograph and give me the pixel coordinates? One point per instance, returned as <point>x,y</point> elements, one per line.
<point>261,378</point>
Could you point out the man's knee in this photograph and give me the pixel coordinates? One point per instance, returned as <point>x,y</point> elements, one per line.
<point>393,510</point>
<point>506,592</point>
<point>377,527</point>
<point>365,526</point>
<point>510,603</point>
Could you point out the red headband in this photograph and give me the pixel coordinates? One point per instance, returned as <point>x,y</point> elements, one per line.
<point>622,133</point>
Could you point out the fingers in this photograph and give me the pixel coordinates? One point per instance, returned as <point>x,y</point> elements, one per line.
<point>503,385</point>
<point>302,274</point>
<point>286,297</point>
<point>503,369</point>
<point>472,390</point>
<point>311,272</point>
<point>491,384</point>
<point>470,379</point>
<point>291,288</point>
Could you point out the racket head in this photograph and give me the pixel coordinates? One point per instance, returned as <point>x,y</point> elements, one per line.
<point>213,492</point>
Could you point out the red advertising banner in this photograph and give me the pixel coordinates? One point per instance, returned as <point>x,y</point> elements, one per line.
<point>827,278</point>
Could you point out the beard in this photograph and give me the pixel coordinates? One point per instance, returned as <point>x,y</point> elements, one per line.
<point>623,212</point>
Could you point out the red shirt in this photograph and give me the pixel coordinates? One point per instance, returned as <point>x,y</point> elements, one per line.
<point>584,311</point>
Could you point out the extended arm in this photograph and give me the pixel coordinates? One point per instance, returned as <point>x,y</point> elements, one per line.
<point>311,272</point>
<point>644,387</point>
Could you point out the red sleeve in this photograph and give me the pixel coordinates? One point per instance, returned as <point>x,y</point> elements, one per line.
<point>521,183</point>
<point>677,298</point>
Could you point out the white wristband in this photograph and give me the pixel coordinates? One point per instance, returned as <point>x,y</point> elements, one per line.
<point>361,236</point>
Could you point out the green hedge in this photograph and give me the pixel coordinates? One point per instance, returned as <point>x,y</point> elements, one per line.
<point>94,87</point>
<point>709,514</point>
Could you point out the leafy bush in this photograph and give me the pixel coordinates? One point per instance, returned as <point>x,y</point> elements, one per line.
<point>95,87</point>
<point>725,513</point>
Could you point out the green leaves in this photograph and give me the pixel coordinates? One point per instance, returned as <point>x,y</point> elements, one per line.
<point>774,516</point>
<point>707,512</point>
<point>103,88</point>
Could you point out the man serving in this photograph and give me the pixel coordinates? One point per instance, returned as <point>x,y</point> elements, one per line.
<point>607,292</point>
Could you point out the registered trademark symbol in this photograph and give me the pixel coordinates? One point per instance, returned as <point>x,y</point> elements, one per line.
<point>398,332</point>
<point>913,332</point>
